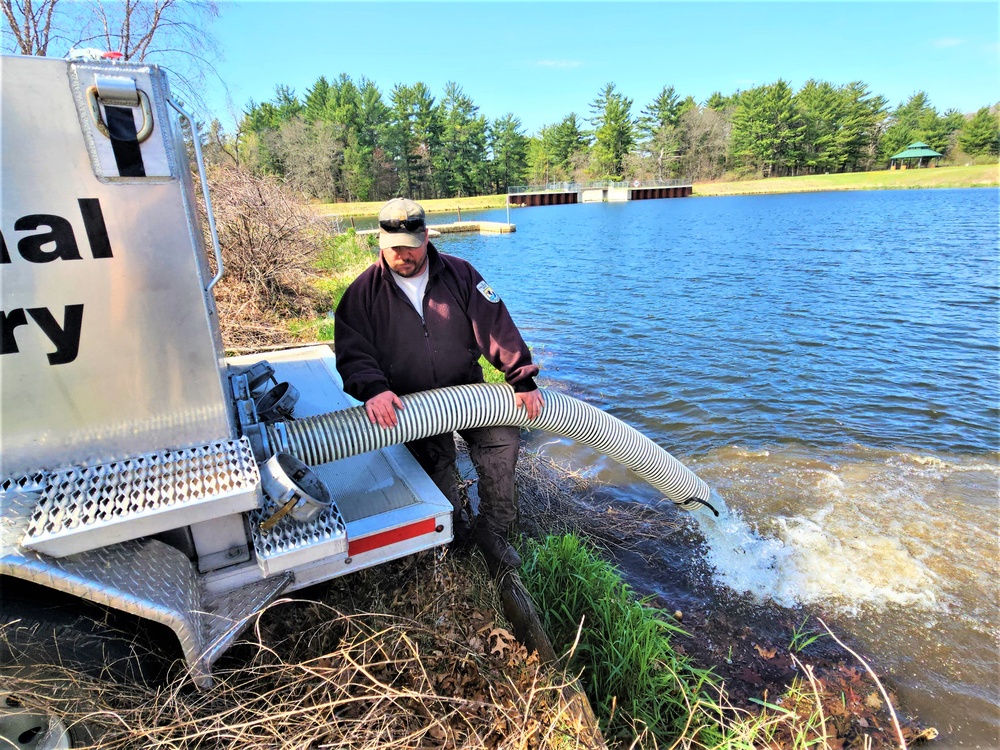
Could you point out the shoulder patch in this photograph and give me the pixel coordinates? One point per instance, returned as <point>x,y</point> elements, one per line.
<point>487,292</point>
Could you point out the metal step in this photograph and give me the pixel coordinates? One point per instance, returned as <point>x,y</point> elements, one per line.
<point>291,543</point>
<point>82,509</point>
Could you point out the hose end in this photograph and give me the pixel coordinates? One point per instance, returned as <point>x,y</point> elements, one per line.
<point>702,502</point>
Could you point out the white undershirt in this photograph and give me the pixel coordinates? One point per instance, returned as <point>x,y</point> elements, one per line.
<point>414,288</point>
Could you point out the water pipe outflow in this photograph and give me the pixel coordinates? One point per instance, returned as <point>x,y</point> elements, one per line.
<point>340,434</point>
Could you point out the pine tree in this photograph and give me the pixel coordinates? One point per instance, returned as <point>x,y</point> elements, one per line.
<point>981,134</point>
<point>509,152</point>
<point>316,99</point>
<point>767,130</point>
<point>460,162</point>
<point>614,131</point>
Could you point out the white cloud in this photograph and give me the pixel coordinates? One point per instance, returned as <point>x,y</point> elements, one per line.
<point>948,41</point>
<point>560,64</point>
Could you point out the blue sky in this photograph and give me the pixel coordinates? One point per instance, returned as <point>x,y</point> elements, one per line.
<point>542,61</point>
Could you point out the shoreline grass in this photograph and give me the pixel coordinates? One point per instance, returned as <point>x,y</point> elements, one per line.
<point>431,206</point>
<point>635,680</point>
<point>646,692</point>
<point>979,175</point>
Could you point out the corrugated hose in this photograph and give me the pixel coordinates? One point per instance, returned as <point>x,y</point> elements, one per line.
<point>340,434</point>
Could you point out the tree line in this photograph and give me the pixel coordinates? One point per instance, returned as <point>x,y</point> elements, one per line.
<point>346,140</point>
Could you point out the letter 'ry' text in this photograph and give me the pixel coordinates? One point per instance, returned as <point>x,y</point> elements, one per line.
<point>57,241</point>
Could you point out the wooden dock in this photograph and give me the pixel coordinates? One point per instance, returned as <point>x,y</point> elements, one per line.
<point>482,227</point>
<point>559,194</point>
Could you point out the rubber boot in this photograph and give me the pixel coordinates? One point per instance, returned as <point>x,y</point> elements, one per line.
<point>495,545</point>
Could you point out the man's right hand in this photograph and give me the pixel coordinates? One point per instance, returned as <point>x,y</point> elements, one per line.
<point>381,409</point>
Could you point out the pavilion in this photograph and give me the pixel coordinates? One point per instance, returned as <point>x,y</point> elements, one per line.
<point>917,151</point>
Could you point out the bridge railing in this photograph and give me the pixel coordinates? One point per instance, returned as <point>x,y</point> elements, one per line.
<point>572,187</point>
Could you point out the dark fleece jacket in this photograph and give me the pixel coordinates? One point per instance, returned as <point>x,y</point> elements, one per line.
<point>382,344</point>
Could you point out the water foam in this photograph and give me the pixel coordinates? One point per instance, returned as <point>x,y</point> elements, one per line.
<point>842,544</point>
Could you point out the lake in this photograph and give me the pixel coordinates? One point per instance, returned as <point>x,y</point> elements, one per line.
<point>828,363</point>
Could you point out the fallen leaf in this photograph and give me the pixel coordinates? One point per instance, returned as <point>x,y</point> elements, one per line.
<point>504,641</point>
<point>766,653</point>
<point>872,701</point>
<point>836,708</point>
<point>437,732</point>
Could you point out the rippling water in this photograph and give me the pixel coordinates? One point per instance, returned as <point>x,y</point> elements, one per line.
<point>829,364</point>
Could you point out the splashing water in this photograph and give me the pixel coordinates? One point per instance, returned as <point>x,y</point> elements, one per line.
<point>815,558</point>
<point>899,549</point>
<point>859,532</point>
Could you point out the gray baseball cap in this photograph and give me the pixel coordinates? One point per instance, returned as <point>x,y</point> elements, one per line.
<point>401,224</point>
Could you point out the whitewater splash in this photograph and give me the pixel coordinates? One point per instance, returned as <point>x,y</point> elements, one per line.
<point>857,535</point>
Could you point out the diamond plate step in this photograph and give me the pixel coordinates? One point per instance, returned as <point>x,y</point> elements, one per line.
<point>85,508</point>
<point>292,543</point>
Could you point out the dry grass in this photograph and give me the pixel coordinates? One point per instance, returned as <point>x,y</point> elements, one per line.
<point>328,672</point>
<point>556,500</point>
<point>431,205</point>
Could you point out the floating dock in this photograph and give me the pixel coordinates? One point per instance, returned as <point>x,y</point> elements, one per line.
<point>563,193</point>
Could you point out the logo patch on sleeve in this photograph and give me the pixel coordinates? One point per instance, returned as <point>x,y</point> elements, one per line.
<point>487,292</point>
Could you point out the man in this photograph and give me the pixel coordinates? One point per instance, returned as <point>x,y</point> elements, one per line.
<point>418,319</point>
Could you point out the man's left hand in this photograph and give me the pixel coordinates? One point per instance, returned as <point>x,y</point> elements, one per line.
<point>532,401</point>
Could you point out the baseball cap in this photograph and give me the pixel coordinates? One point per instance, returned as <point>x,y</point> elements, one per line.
<point>401,224</point>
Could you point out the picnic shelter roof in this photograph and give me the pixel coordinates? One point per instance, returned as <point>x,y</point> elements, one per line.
<point>916,150</point>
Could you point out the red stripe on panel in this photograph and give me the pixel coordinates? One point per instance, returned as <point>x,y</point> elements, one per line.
<point>385,538</point>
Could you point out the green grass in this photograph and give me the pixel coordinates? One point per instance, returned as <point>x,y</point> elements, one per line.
<point>633,677</point>
<point>490,373</point>
<point>343,257</point>
<point>643,692</point>
<point>981,175</point>
<point>347,252</point>
<point>803,637</point>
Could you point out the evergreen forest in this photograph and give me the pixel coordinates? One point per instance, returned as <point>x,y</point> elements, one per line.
<point>350,140</point>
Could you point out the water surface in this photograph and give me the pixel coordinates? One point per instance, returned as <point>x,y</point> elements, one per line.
<point>829,364</point>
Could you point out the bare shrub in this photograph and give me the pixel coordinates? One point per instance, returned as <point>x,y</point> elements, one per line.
<point>270,243</point>
<point>313,157</point>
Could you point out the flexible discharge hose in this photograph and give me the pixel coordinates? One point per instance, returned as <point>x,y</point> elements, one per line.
<point>340,434</point>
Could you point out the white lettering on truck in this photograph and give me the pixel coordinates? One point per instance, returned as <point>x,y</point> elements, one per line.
<point>58,242</point>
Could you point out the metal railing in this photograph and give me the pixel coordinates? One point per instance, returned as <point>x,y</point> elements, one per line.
<point>574,187</point>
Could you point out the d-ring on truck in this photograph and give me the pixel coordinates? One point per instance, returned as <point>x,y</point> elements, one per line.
<point>145,476</point>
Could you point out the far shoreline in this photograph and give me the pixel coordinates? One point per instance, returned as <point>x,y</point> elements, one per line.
<point>981,175</point>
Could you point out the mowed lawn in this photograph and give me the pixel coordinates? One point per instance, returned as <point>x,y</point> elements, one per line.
<point>981,175</point>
